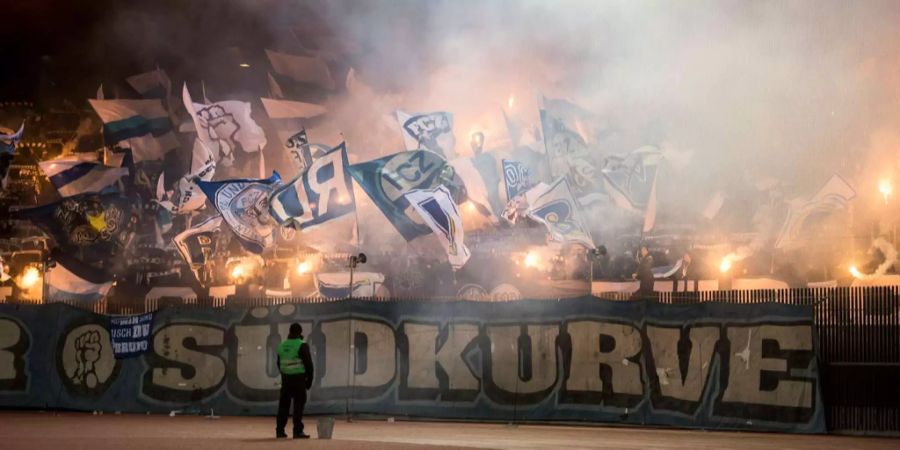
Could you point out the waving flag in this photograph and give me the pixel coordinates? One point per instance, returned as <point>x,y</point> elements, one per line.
<point>629,179</point>
<point>224,126</point>
<point>288,109</point>
<point>437,208</point>
<point>302,69</point>
<point>555,207</point>
<point>831,198</point>
<point>337,284</point>
<point>80,174</point>
<point>428,131</point>
<point>482,182</point>
<point>517,178</point>
<point>244,207</point>
<point>198,243</point>
<point>88,220</point>
<point>8,142</point>
<point>71,279</point>
<point>152,84</point>
<point>143,124</point>
<point>387,179</point>
<point>568,155</point>
<point>321,193</point>
<point>187,196</point>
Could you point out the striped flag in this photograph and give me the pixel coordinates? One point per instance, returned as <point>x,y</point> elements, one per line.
<point>80,174</point>
<point>439,211</point>
<point>71,279</point>
<point>143,124</point>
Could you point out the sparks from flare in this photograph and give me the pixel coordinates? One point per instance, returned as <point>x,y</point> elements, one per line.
<point>303,268</point>
<point>855,272</point>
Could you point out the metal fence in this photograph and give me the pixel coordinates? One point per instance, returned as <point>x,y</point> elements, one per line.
<point>858,330</point>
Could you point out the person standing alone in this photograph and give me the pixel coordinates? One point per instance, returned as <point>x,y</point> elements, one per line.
<point>296,367</point>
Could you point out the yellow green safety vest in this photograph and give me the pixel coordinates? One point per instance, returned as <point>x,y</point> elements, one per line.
<point>289,357</point>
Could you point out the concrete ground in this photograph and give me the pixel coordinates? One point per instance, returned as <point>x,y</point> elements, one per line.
<point>73,431</point>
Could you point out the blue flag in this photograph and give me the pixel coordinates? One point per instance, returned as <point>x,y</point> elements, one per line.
<point>8,142</point>
<point>99,222</point>
<point>321,193</point>
<point>628,180</point>
<point>70,279</point>
<point>388,179</point>
<point>429,131</point>
<point>243,204</point>
<point>130,335</point>
<point>518,180</point>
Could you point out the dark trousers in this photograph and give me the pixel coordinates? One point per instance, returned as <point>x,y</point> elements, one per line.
<point>293,388</point>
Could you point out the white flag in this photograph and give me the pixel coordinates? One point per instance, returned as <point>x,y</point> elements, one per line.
<point>437,208</point>
<point>223,126</point>
<point>287,109</point>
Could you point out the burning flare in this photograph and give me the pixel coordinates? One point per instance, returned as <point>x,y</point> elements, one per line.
<point>303,268</point>
<point>29,277</point>
<point>725,265</point>
<point>855,272</point>
<point>885,187</point>
<point>531,259</point>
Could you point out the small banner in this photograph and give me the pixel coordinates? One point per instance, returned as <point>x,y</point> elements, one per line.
<point>130,335</point>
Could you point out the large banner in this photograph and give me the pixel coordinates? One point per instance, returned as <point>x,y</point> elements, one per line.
<point>708,365</point>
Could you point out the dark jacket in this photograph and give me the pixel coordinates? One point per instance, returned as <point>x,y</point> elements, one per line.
<point>645,275</point>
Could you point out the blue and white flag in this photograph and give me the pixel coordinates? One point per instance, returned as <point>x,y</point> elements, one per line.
<point>244,205</point>
<point>152,84</point>
<point>337,284</point>
<point>225,126</point>
<point>517,178</point>
<point>143,126</point>
<point>833,197</point>
<point>555,207</point>
<point>80,174</point>
<point>321,193</point>
<point>428,131</point>
<point>8,142</point>
<point>439,211</point>
<point>71,279</point>
<point>628,180</point>
<point>298,147</point>
<point>130,335</point>
<point>388,179</point>
<point>186,195</point>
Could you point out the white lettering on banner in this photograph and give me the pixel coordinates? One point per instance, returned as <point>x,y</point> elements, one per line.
<point>208,369</point>
<point>425,357</point>
<point>336,183</point>
<point>585,370</point>
<point>10,335</point>
<point>507,363</point>
<point>747,364</point>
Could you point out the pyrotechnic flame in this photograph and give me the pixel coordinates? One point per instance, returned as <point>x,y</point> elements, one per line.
<point>239,271</point>
<point>885,187</point>
<point>531,259</point>
<point>511,102</point>
<point>725,265</point>
<point>304,267</point>
<point>29,277</point>
<point>855,272</point>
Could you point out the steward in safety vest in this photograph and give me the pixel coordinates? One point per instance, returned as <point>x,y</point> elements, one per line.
<point>296,367</point>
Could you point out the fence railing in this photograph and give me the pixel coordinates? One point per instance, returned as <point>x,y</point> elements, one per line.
<point>858,332</point>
